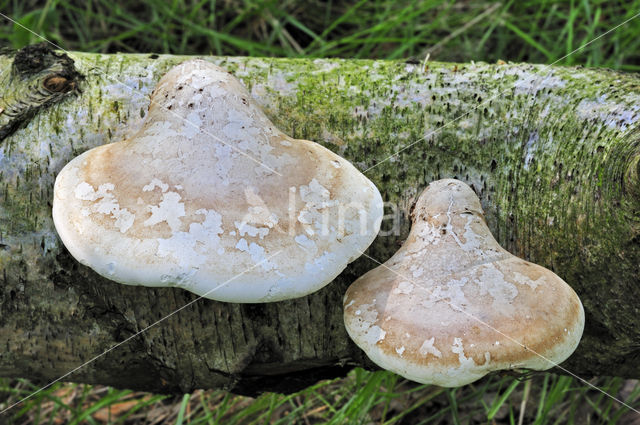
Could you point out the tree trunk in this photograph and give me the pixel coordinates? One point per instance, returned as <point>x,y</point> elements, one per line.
<point>554,154</point>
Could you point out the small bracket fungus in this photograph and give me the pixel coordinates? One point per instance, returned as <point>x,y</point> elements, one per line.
<point>452,305</point>
<point>211,197</point>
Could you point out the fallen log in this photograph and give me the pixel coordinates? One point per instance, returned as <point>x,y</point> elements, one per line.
<point>553,153</point>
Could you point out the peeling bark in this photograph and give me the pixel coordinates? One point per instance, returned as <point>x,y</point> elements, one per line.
<point>554,154</point>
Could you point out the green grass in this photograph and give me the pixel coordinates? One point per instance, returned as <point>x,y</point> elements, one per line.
<point>539,31</point>
<point>360,398</point>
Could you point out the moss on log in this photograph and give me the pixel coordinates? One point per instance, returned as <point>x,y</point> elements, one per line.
<point>554,154</point>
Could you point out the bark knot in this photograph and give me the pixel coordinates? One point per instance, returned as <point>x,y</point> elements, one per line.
<point>39,78</point>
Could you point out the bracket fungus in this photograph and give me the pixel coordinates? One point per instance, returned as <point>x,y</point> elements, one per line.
<point>452,305</point>
<point>211,197</point>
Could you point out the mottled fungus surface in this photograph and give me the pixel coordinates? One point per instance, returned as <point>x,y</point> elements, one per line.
<point>211,197</point>
<point>452,305</point>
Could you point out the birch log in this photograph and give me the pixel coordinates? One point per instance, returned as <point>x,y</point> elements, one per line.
<point>554,154</point>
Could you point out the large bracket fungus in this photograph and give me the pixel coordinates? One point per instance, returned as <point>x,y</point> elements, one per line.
<point>452,305</point>
<point>211,197</point>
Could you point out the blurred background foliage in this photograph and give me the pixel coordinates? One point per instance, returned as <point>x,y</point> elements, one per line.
<point>537,31</point>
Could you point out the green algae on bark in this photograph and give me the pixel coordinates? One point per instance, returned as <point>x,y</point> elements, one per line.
<point>552,152</point>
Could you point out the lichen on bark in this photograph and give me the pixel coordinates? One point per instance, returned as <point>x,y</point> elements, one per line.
<point>552,152</point>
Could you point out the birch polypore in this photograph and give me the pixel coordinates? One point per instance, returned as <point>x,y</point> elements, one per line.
<point>211,197</point>
<point>452,305</point>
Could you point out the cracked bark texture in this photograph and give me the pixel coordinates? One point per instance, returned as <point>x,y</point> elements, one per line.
<point>554,154</point>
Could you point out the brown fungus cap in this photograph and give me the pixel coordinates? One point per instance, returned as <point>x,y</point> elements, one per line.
<point>211,197</point>
<point>452,305</point>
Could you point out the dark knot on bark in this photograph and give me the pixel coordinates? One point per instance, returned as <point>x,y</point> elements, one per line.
<point>39,78</point>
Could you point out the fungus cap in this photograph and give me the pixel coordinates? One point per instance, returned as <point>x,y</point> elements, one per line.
<point>210,196</point>
<point>452,305</point>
